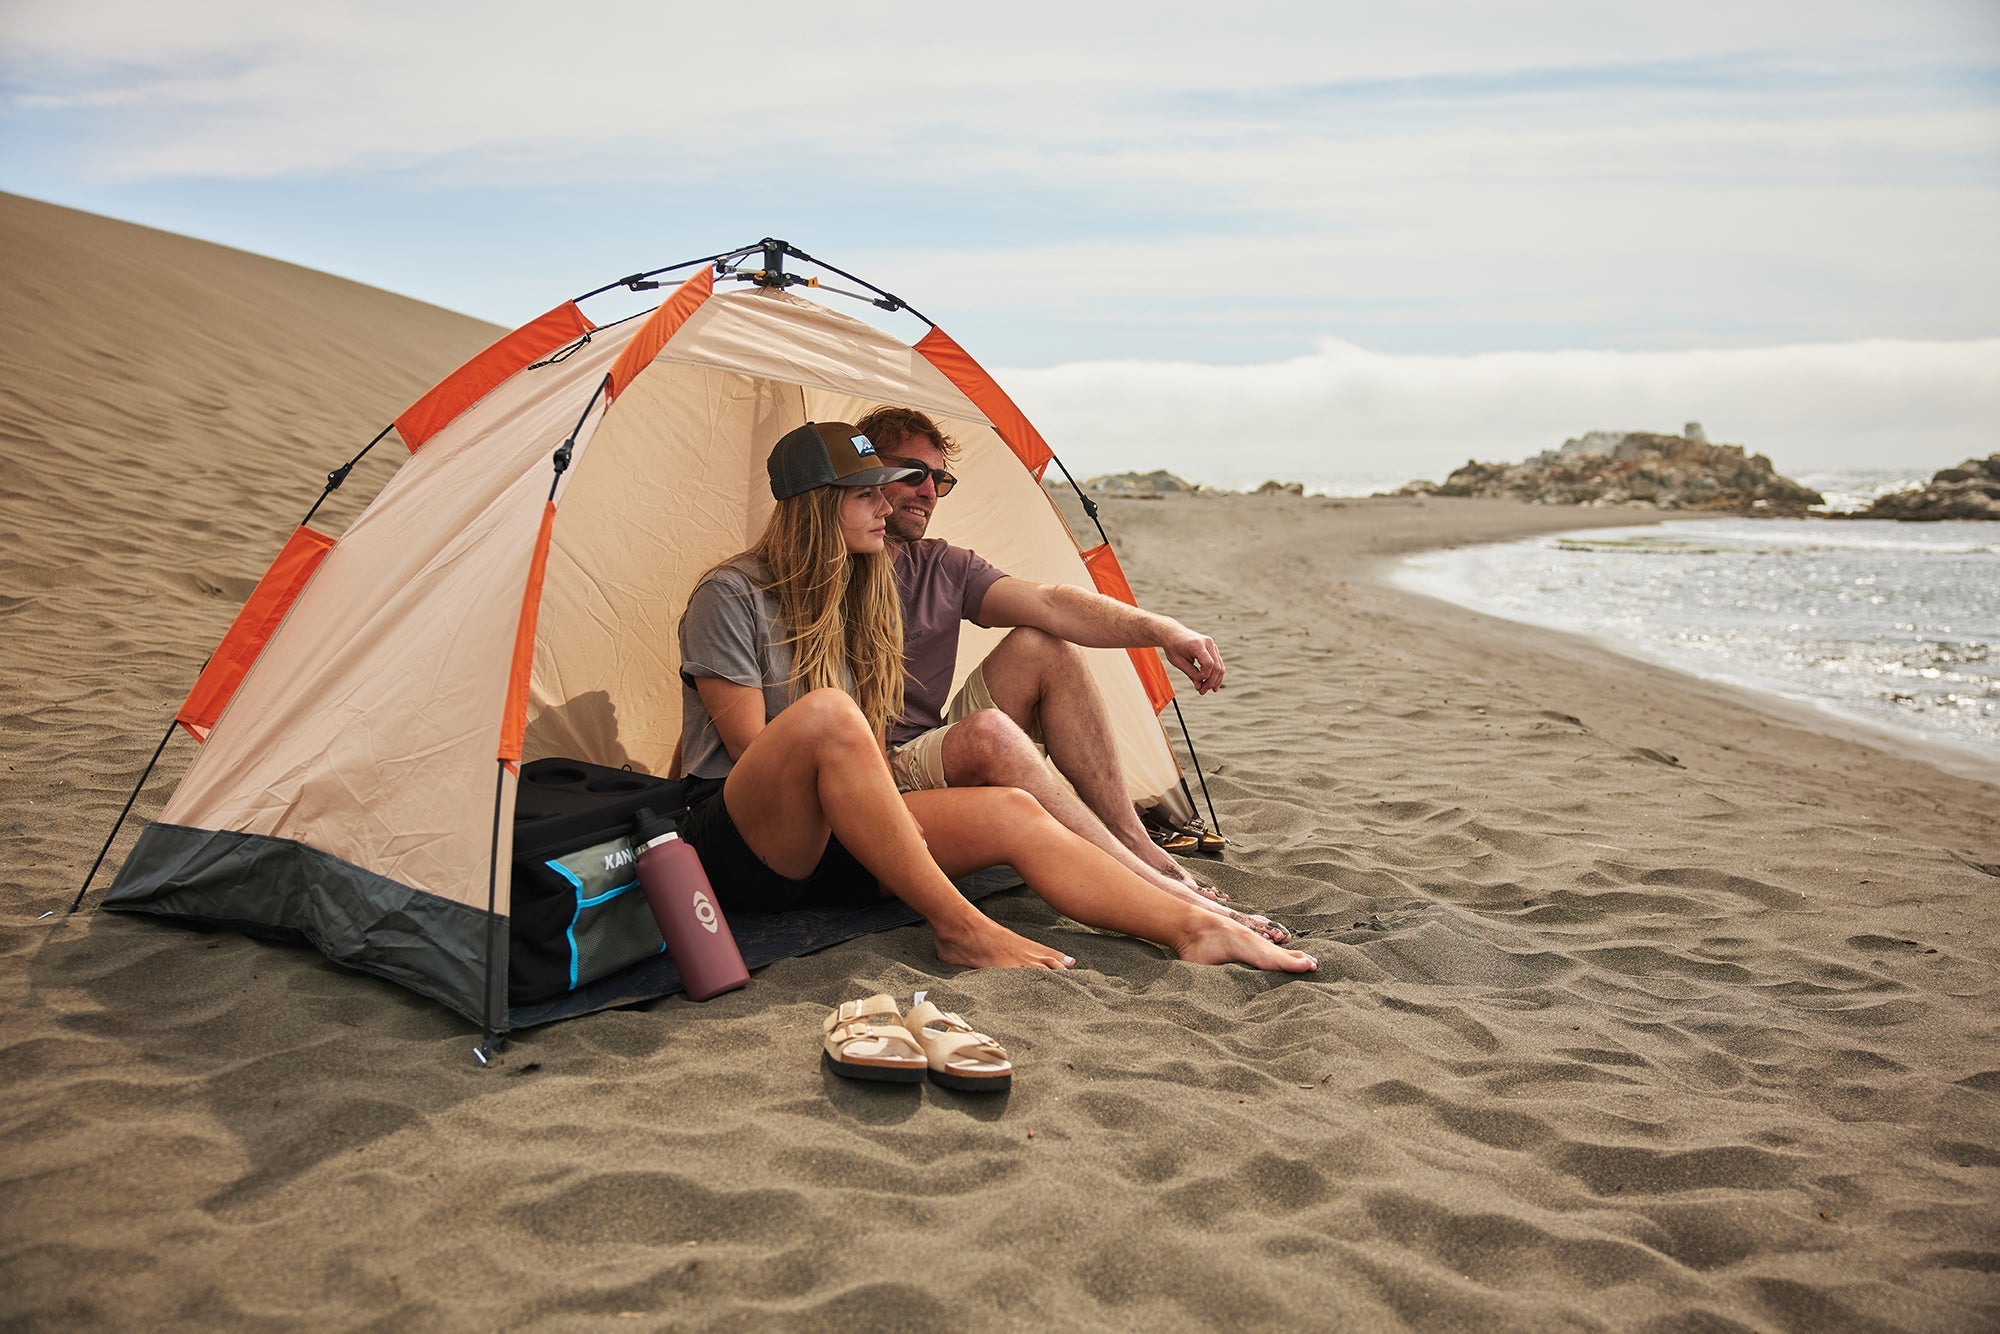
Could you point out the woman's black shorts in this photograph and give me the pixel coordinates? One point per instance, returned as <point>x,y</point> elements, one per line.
<point>742,882</point>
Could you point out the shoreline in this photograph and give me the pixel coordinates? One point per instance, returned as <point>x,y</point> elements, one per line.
<point>1482,522</point>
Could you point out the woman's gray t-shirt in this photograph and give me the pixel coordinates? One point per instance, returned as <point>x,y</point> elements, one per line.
<point>731,631</point>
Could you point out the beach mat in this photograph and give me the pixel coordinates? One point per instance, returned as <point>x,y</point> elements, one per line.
<point>763,938</point>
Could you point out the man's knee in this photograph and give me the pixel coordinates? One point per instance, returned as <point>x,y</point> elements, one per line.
<point>987,748</point>
<point>1025,643</point>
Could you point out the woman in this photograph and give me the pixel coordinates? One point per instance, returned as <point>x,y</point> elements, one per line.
<point>792,667</point>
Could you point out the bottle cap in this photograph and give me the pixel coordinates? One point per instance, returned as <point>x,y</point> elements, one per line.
<point>650,828</point>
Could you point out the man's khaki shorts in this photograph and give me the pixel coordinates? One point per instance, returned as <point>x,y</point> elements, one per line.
<point>918,764</point>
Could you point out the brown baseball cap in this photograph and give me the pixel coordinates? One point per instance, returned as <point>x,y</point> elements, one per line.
<point>829,454</point>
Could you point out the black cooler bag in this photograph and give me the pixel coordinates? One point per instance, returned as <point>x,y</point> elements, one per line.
<point>578,912</point>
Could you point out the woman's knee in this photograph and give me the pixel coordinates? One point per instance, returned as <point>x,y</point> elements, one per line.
<point>826,718</point>
<point>1019,808</point>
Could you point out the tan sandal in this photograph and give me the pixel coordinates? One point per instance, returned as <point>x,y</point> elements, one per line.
<point>866,1039</point>
<point>960,1056</point>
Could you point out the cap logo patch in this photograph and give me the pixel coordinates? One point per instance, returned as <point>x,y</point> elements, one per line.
<point>862,444</point>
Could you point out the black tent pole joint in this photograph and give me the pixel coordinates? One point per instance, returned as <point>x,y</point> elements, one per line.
<point>339,475</point>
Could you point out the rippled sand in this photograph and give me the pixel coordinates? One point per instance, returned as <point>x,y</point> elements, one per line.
<point>1638,1007</point>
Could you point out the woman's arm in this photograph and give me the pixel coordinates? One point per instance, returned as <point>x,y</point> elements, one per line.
<point>737,711</point>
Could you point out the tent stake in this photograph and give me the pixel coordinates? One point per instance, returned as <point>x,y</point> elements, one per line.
<point>110,838</point>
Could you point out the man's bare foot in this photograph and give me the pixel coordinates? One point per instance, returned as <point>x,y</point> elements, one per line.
<point>987,944</point>
<point>1181,873</point>
<point>1275,932</point>
<point>1162,863</point>
<point>1219,940</point>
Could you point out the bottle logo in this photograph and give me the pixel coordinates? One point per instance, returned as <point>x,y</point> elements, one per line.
<point>704,912</point>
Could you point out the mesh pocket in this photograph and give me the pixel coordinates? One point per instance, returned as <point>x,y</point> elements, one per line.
<point>601,922</point>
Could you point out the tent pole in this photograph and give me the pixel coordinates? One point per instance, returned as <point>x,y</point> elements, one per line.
<point>119,824</point>
<point>1213,823</point>
<point>1090,508</point>
<point>488,1044</point>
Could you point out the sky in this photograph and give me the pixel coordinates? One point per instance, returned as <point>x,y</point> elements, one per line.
<point>1304,241</point>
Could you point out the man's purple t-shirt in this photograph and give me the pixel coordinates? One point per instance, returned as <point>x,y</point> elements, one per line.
<point>941,585</point>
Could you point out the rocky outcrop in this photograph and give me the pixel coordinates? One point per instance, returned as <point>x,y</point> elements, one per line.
<point>1155,483</point>
<point>1278,488</point>
<point>1636,468</point>
<point>1969,491</point>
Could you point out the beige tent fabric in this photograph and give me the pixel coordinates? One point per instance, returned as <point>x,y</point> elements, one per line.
<point>675,482</point>
<point>667,488</point>
<point>369,727</point>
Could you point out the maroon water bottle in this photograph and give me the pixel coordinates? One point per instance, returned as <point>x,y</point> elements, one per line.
<point>677,889</point>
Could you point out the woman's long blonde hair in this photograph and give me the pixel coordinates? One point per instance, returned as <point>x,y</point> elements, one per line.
<point>840,609</point>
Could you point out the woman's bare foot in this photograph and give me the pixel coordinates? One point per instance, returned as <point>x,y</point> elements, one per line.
<point>987,944</point>
<point>1214,939</point>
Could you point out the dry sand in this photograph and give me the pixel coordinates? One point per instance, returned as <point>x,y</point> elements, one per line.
<point>1640,1007</point>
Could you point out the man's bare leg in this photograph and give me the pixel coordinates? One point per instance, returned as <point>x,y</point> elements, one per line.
<point>1035,675</point>
<point>990,749</point>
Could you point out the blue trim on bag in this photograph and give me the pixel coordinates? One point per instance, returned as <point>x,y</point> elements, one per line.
<point>582,903</point>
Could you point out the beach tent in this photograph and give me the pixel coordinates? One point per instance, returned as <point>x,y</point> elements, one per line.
<point>513,593</point>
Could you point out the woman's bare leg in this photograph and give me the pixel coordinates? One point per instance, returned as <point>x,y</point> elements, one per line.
<point>817,770</point>
<point>969,828</point>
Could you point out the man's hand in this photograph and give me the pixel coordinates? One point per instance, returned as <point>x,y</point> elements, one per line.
<point>1195,655</point>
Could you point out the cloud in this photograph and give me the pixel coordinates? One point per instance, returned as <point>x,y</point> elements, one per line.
<point>1140,93</point>
<point>1062,180</point>
<point>1345,410</point>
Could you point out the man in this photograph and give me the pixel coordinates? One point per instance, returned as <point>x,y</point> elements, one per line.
<point>1030,692</point>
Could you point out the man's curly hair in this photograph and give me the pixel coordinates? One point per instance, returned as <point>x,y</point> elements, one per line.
<point>888,427</point>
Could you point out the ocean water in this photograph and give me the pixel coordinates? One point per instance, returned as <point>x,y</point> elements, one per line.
<point>1893,625</point>
<point>1845,489</point>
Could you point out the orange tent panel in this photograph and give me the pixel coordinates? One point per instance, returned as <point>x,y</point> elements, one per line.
<point>478,377</point>
<point>971,378</point>
<point>661,325</point>
<point>1110,579</point>
<point>254,625</point>
<point>514,722</point>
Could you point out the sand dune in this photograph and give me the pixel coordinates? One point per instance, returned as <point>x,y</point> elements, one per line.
<point>1641,1007</point>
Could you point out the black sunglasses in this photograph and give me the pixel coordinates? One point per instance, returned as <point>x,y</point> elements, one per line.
<point>945,481</point>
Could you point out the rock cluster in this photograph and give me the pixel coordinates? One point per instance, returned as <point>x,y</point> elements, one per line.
<point>1278,488</point>
<point>1636,468</point>
<point>1969,491</point>
<point>1157,482</point>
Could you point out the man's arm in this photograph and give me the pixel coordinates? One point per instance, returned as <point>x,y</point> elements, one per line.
<point>1096,621</point>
